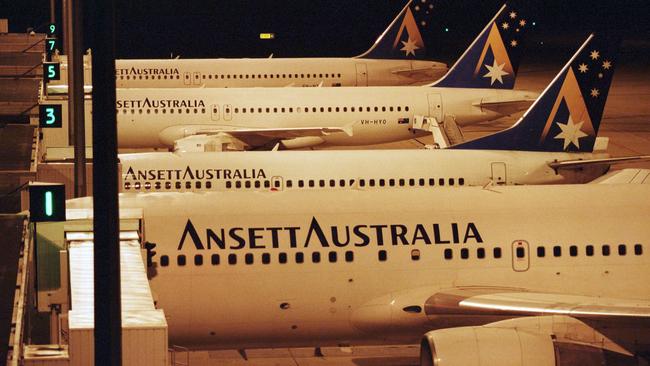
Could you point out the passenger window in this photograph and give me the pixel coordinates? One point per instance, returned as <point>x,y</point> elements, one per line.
<point>178,185</point>
<point>342,182</point>
<point>228,184</point>
<point>289,183</point>
<point>301,183</point>
<point>198,260</point>
<point>197,184</point>
<point>258,184</point>
<point>311,183</point>
<point>497,252</point>
<point>371,182</point>
<point>541,252</point>
<point>237,184</point>
<point>158,185</point>
<point>589,250</point>
<point>441,181</point>
<point>267,184</point>
<point>332,183</point>
<point>214,259</point>
<point>332,257</point>
<point>451,181</point>
<point>321,183</point>
<point>391,182</point>
<point>266,258</point>
<point>282,258</point>
<point>622,249</point>
<point>605,250</point>
<point>432,182</point>
<point>461,181</point>
<point>315,257</point>
<point>480,253</point>
<point>573,251</point>
<point>300,257</point>
<point>638,249</point>
<point>188,185</point>
<point>247,184</point>
<point>421,181</point>
<point>382,182</point>
<point>248,258</point>
<point>464,253</point>
<point>520,252</point>
<point>349,256</point>
<point>382,255</point>
<point>232,258</point>
<point>181,260</point>
<point>411,182</point>
<point>164,261</point>
<point>449,254</point>
<point>415,254</point>
<point>362,182</point>
<point>557,251</point>
<point>402,182</point>
<point>168,185</point>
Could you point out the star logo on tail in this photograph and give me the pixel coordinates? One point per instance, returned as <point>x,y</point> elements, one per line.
<point>409,47</point>
<point>495,72</point>
<point>571,133</point>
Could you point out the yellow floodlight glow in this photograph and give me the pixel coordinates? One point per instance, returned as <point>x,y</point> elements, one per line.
<point>267,35</point>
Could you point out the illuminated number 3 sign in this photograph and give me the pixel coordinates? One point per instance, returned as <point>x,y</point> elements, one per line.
<point>49,116</point>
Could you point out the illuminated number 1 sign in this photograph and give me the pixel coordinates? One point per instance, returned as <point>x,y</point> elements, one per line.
<point>51,71</point>
<point>49,116</point>
<point>46,202</point>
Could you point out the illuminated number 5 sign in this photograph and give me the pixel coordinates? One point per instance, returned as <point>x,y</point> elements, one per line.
<point>49,116</point>
<point>51,71</point>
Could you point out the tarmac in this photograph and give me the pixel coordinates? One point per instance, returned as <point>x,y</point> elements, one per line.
<point>626,123</point>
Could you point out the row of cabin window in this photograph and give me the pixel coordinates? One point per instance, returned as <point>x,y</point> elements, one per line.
<point>265,258</point>
<point>311,183</point>
<point>177,185</point>
<point>147,77</point>
<point>267,76</point>
<point>590,250</point>
<point>314,109</point>
<point>163,111</point>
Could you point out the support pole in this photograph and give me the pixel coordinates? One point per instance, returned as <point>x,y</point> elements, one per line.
<point>76,118</point>
<point>52,11</point>
<point>108,322</point>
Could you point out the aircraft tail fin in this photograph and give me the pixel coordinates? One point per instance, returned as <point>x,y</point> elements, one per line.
<point>567,114</point>
<point>402,39</point>
<point>492,60</point>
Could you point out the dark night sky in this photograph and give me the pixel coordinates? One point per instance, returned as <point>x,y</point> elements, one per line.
<point>230,28</point>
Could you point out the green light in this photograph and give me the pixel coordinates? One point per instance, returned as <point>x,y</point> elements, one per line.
<point>446,29</point>
<point>48,203</point>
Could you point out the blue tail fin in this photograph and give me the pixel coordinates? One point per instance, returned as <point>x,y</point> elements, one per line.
<point>566,116</point>
<point>492,60</point>
<point>402,38</point>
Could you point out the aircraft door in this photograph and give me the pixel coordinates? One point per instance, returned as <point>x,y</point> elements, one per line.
<point>196,80</point>
<point>520,256</point>
<point>215,112</point>
<point>499,173</point>
<point>435,106</point>
<point>227,112</point>
<point>277,183</point>
<point>362,75</point>
<point>187,78</point>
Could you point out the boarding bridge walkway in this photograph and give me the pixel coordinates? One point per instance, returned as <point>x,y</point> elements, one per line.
<point>144,328</point>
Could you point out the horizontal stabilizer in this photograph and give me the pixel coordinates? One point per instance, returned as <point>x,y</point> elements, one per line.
<point>624,176</point>
<point>575,164</point>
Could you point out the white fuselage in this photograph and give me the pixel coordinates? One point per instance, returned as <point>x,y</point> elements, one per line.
<point>268,269</point>
<point>151,118</point>
<point>360,169</point>
<point>274,72</point>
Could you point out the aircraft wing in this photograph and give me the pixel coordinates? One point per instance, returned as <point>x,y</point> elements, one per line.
<point>494,301</point>
<point>573,164</point>
<point>624,176</point>
<point>239,139</point>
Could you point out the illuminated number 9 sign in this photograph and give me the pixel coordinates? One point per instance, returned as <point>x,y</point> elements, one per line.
<point>51,29</point>
<point>49,116</point>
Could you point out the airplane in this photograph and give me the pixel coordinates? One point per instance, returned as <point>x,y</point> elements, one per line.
<point>506,275</point>
<point>524,154</point>
<point>477,88</point>
<point>398,57</point>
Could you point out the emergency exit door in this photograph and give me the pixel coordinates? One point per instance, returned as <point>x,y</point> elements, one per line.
<point>362,75</point>
<point>520,255</point>
<point>499,173</point>
<point>435,106</point>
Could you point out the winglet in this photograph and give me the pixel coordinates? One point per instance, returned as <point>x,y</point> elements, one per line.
<point>492,60</point>
<point>402,38</point>
<point>567,114</point>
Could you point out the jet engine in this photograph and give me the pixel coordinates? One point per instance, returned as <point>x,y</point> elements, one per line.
<point>479,346</point>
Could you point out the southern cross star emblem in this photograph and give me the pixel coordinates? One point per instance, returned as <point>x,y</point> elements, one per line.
<point>409,47</point>
<point>571,133</point>
<point>583,68</point>
<point>495,72</point>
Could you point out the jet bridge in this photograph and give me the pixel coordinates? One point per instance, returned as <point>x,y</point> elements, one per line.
<point>445,133</point>
<point>70,299</point>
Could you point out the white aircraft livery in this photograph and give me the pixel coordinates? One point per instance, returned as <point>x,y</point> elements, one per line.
<point>477,88</point>
<point>510,275</point>
<point>396,58</point>
<point>523,154</point>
